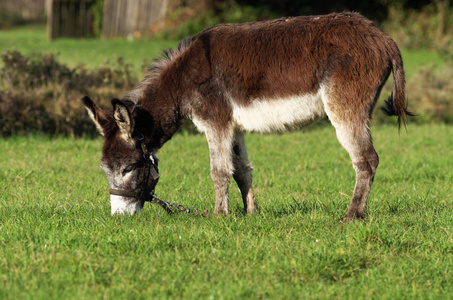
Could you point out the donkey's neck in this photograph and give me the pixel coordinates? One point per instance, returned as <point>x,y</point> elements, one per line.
<point>166,91</point>
<point>161,116</point>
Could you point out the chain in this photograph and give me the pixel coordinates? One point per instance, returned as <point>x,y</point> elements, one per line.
<point>168,206</point>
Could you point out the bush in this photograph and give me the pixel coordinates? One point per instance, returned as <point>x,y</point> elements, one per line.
<point>39,94</point>
<point>431,94</point>
<point>429,27</point>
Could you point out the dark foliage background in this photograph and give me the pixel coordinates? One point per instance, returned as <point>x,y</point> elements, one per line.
<point>40,94</point>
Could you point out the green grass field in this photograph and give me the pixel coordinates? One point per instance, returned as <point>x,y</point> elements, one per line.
<point>90,52</point>
<point>58,240</point>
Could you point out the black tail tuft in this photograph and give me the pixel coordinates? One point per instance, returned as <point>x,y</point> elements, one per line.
<point>388,108</point>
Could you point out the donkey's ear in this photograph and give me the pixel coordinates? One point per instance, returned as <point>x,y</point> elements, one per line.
<point>123,117</point>
<point>96,114</point>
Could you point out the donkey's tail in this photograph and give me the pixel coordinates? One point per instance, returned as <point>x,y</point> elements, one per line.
<point>396,104</point>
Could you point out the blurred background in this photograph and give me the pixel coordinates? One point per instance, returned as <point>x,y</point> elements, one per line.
<point>55,51</point>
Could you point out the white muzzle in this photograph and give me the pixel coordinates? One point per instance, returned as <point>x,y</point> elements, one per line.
<point>120,206</point>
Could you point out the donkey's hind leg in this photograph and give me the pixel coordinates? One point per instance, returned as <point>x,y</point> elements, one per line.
<point>356,139</point>
<point>243,173</point>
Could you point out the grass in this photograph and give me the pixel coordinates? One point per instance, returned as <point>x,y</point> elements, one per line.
<point>90,52</point>
<point>58,241</point>
<point>94,52</point>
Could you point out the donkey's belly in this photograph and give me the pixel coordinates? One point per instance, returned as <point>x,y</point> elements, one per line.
<point>267,115</point>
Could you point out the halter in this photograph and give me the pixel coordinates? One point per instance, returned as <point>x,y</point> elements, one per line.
<point>147,195</point>
<point>150,169</point>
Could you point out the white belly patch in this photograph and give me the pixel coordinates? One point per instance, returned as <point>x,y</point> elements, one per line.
<point>268,115</point>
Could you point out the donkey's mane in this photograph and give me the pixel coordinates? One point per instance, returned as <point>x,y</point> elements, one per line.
<point>168,56</point>
<point>156,68</point>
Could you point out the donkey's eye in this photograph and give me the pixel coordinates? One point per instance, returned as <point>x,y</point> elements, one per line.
<point>129,168</point>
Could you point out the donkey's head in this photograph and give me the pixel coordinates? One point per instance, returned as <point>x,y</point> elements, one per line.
<point>130,166</point>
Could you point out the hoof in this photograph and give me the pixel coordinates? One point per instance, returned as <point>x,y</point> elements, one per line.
<point>349,219</point>
<point>221,212</point>
<point>253,211</point>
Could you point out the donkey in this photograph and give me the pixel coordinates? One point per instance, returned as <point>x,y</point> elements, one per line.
<point>265,76</point>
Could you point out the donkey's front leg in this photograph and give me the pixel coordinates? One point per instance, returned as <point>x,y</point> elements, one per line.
<point>220,145</point>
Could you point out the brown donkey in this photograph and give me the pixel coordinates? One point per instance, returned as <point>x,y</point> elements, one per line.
<point>263,76</point>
